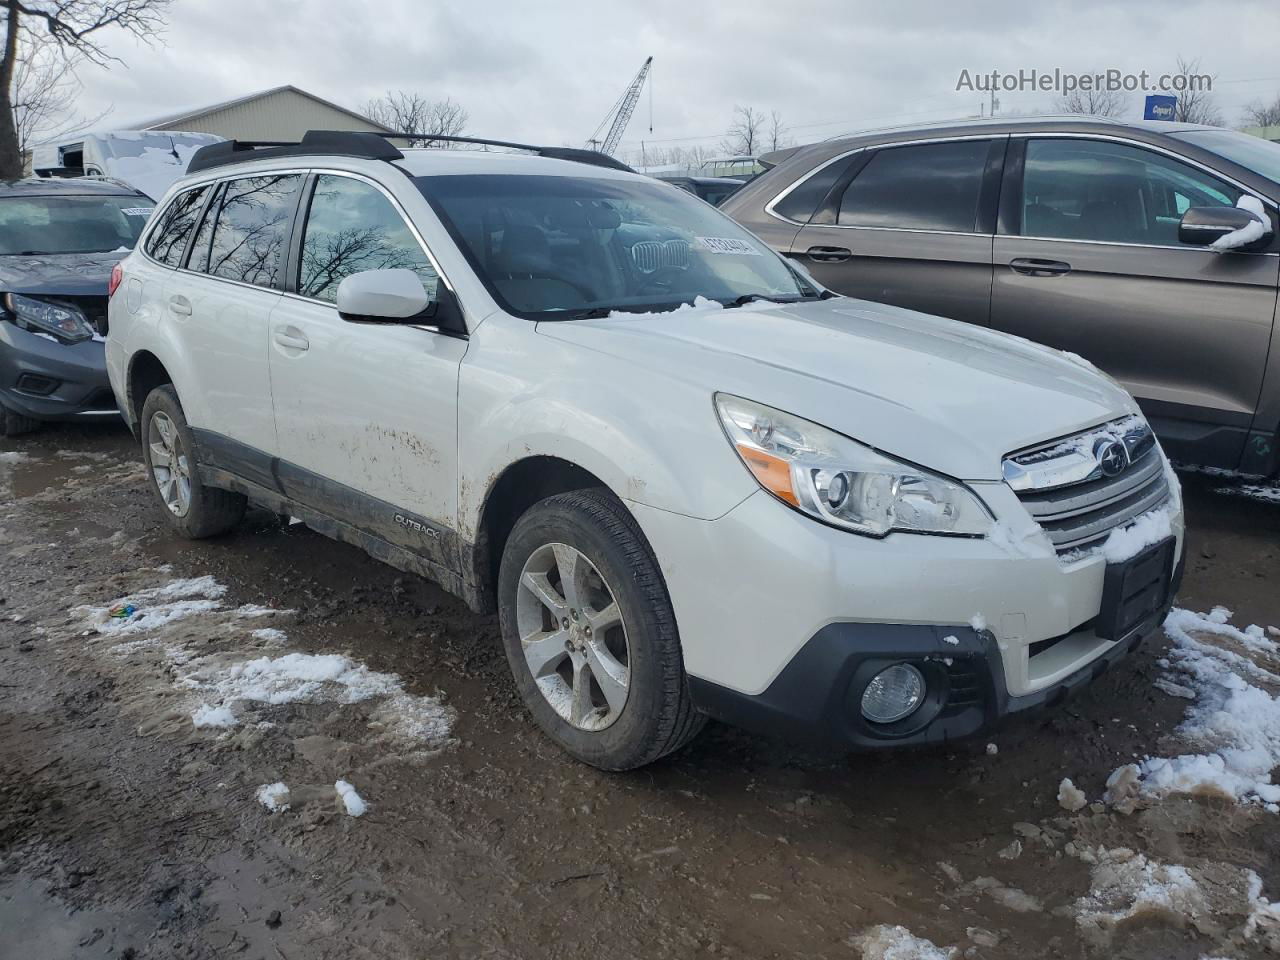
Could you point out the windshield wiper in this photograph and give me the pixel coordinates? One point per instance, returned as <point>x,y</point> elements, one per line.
<point>746,298</point>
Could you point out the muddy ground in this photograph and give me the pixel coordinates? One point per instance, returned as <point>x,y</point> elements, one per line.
<point>127,832</point>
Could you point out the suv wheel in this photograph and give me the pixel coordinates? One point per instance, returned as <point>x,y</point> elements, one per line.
<point>169,452</point>
<point>12,424</point>
<point>590,634</point>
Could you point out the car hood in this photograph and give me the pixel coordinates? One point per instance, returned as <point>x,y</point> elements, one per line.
<point>946,395</point>
<point>65,274</point>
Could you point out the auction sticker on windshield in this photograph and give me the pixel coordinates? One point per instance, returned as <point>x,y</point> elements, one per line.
<point>137,211</point>
<point>728,245</point>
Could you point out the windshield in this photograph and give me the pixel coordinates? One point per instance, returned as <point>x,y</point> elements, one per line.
<point>553,248</point>
<point>32,225</point>
<point>1260,156</point>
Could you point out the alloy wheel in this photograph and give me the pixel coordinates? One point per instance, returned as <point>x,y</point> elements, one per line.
<point>573,637</point>
<point>169,465</point>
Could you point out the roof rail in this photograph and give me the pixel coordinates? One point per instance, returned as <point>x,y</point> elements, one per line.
<point>593,157</point>
<point>370,146</point>
<point>340,143</point>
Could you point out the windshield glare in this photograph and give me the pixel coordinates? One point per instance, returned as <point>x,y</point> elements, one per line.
<point>1254,153</point>
<point>34,225</point>
<point>554,247</point>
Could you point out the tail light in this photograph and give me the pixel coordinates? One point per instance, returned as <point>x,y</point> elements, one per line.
<point>117,274</point>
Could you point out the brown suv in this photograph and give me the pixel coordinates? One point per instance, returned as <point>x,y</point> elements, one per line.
<point>1087,235</point>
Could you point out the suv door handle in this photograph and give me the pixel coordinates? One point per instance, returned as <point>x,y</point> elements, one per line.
<point>291,338</point>
<point>180,305</point>
<point>1032,267</point>
<point>829,254</point>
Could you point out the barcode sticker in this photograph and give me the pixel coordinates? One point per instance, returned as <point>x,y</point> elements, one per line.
<point>729,245</point>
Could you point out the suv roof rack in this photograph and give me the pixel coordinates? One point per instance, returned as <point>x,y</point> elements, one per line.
<point>593,157</point>
<point>342,143</point>
<point>370,146</point>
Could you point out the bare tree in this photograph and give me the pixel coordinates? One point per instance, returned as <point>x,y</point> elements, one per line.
<point>402,110</point>
<point>45,90</point>
<point>74,27</point>
<point>744,135</point>
<point>1259,114</point>
<point>1093,103</point>
<point>1195,95</point>
<point>775,137</point>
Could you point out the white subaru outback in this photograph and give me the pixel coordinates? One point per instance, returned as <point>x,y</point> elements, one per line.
<point>690,481</point>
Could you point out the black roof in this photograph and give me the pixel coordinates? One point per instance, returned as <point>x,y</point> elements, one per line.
<point>66,187</point>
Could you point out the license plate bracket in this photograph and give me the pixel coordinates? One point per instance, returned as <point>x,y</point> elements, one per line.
<point>1134,590</point>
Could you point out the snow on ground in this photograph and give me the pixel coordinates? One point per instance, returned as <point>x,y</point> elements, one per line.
<point>1127,886</point>
<point>353,802</point>
<point>273,796</point>
<point>228,689</point>
<point>1254,491</point>
<point>12,457</point>
<point>887,942</point>
<point>1233,723</point>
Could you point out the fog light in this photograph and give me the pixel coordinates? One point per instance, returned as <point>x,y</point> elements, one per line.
<point>893,693</point>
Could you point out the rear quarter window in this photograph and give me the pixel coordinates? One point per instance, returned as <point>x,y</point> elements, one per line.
<point>167,242</point>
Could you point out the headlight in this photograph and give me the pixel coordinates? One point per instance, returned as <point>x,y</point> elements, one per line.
<point>841,482</point>
<point>63,321</point>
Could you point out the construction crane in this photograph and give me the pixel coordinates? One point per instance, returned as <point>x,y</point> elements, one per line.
<point>620,114</point>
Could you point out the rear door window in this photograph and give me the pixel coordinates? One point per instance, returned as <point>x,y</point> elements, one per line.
<point>801,203</point>
<point>928,186</point>
<point>1109,192</point>
<point>168,240</point>
<point>249,227</point>
<point>352,226</point>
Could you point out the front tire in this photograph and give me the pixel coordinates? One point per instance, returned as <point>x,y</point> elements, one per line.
<point>590,633</point>
<point>193,509</point>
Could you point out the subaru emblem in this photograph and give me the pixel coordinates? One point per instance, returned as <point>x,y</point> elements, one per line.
<point>1112,457</point>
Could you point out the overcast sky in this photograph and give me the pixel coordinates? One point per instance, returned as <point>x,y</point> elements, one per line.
<point>549,70</point>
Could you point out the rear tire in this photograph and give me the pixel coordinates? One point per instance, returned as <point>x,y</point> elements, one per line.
<point>193,509</point>
<point>15,424</point>
<point>619,588</point>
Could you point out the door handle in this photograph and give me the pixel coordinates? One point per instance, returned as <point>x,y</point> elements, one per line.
<point>291,338</point>
<point>829,254</point>
<point>1033,267</point>
<point>180,305</point>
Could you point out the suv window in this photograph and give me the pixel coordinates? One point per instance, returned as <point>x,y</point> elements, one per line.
<point>168,240</point>
<point>799,205</point>
<point>250,222</point>
<point>929,186</point>
<point>352,226</point>
<point>1111,192</point>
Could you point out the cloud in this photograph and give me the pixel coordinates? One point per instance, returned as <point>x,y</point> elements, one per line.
<point>550,71</point>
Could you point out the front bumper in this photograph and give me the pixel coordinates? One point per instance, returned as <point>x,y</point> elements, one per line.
<point>817,696</point>
<point>47,380</point>
<point>778,614</point>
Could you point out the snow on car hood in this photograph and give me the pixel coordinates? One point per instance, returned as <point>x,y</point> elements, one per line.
<point>946,395</point>
<point>65,274</point>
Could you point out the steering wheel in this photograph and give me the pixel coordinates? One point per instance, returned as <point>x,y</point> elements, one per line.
<point>660,280</point>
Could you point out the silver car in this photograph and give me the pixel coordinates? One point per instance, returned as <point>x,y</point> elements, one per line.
<point>1088,235</point>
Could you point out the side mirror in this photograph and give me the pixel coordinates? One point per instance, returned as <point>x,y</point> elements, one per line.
<point>397,296</point>
<point>1203,226</point>
<point>381,296</point>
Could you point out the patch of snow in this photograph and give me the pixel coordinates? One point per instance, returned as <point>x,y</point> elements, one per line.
<point>1130,540</point>
<point>250,610</point>
<point>699,303</point>
<point>1234,724</point>
<point>1085,443</point>
<point>1127,886</point>
<point>269,635</point>
<point>353,802</point>
<point>1252,231</point>
<point>992,750</point>
<point>207,716</point>
<point>1070,797</point>
<point>893,942</point>
<point>274,796</point>
<point>978,622</point>
<point>1174,689</point>
<point>954,641</point>
<point>1254,491</point>
<point>12,457</point>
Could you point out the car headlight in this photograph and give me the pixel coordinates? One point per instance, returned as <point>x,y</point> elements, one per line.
<point>62,320</point>
<point>842,482</point>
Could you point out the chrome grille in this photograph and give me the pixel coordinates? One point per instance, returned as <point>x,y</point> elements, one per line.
<point>1075,499</point>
